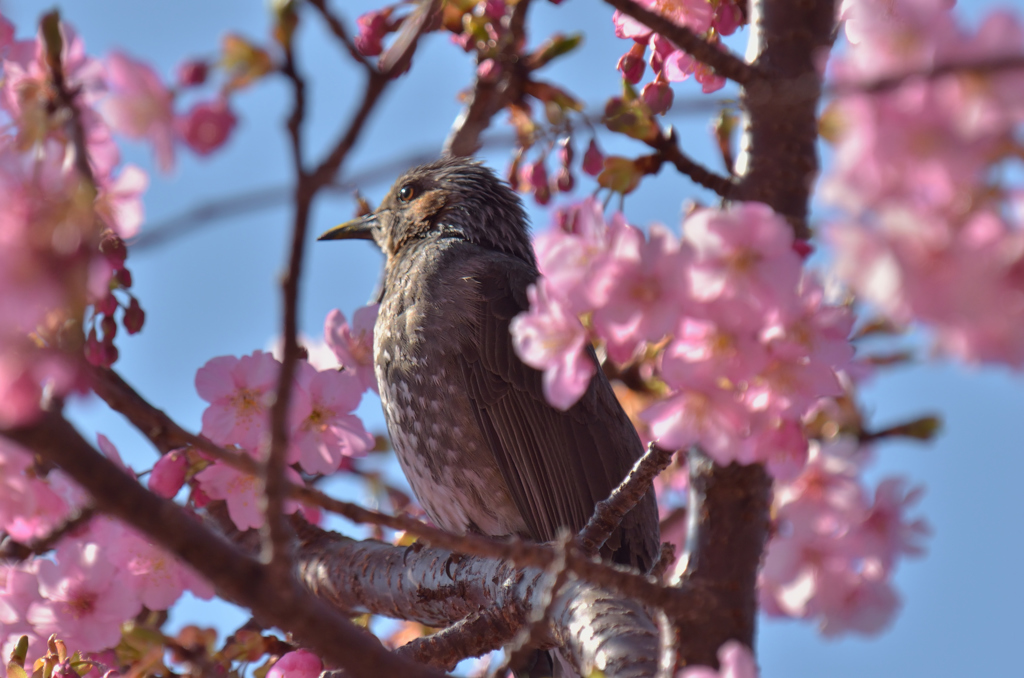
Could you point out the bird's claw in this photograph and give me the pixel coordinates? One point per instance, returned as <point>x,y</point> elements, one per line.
<point>414,547</point>
<point>453,559</point>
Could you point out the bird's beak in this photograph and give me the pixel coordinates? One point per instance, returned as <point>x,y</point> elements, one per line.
<point>360,228</point>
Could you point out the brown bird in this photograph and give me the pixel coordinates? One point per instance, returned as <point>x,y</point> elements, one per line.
<point>480,445</point>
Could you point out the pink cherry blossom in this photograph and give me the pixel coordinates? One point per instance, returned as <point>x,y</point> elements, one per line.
<point>813,331</point>
<point>735,660</point>
<point>703,350</point>
<point>329,432</point>
<point>111,453</point>
<point>884,533</point>
<point>703,415</point>
<point>6,34</point>
<point>242,492</point>
<point>832,553</point>
<point>206,126</point>
<point>372,27</point>
<point>728,17</point>
<point>29,507</point>
<point>168,474</point>
<point>855,601</point>
<point>238,390</point>
<point>572,251</point>
<point>84,602</point>
<point>550,338</point>
<point>156,577</point>
<point>19,589</point>
<point>789,388</point>
<point>694,14</point>
<point>119,202</point>
<point>140,106</point>
<point>743,255</point>
<point>641,289</point>
<point>24,94</point>
<point>353,344</point>
<point>298,664</point>
<point>778,443</point>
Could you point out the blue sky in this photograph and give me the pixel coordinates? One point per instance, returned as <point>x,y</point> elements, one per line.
<point>215,292</point>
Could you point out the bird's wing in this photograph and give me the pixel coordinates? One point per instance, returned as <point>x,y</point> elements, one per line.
<point>557,464</point>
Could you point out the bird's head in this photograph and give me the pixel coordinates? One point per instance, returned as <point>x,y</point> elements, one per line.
<point>448,198</point>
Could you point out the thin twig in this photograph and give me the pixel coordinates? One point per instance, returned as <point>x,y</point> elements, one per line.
<point>337,26</point>
<point>668,146</point>
<point>194,218</point>
<point>278,538</point>
<point>609,512</point>
<point>488,97</point>
<point>66,99</point>
<point>891,82</point>
<point>726,64</point>
<point>471,637</point>
<point>375,85</point>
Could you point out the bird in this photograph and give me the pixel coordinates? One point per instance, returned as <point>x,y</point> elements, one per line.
<point>482,449</point>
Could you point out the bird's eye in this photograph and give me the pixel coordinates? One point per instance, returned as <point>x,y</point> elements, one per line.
<point>406,193</point>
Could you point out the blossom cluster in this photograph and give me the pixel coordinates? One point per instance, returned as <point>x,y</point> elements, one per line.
<point>930,232</point>
<point>668,62</point>
<point>743,341</point>
<point>105,573</point>
<point>99,577</point>
<point>69,203</point>
<point>834,549</point>
<point>324,434</point>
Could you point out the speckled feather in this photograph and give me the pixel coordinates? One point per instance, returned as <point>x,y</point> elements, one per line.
<point>482,449</point>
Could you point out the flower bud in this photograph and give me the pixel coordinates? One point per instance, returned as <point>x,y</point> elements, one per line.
<point>134,317</point>
<point>631,64</point>
<point>192,73</point>
<point>564,180</point>
<point>593,159</point>
<point>658,97</point>
<point>168,474</point>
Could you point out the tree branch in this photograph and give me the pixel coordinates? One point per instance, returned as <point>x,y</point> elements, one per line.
<point>196,217</point>
<point>475,635</point>
<point>891,82</point>
<point>487,97</point>
<point>778,161</point>
<point>337,26</point>
<point>726,64</point>
<point>376,83</point>
<point>598,629</point>
<point>728,529</point>
<point>610,512</point>
<point>277,535</point>
<point>167,435</point>
<point>668,146</point>
<point>237,577</point>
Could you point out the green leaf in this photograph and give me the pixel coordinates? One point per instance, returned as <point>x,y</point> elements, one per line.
<point>619,174</point>
<point>557,45</point>
<point>631,118</point>
<point>20,652</point>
